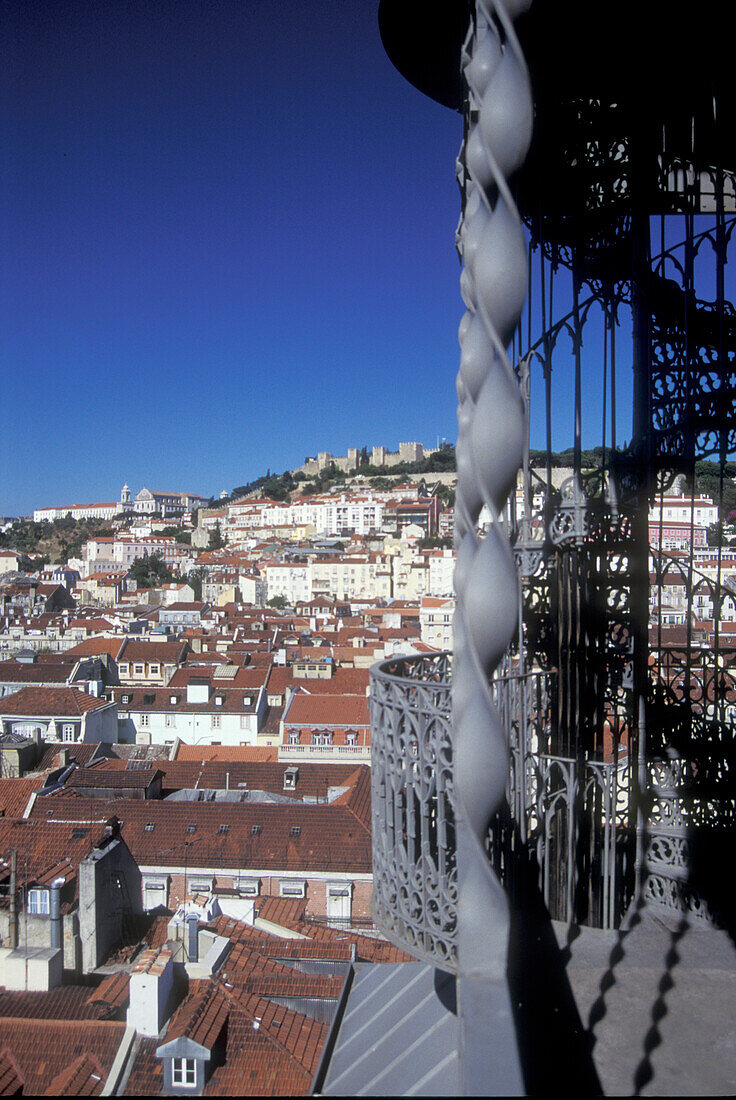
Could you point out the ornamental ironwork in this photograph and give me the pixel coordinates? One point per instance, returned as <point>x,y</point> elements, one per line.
<point>414,871</point>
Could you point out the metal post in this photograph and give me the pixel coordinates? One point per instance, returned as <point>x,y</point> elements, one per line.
<point>491,431</point>
<point>13,929</point>
<point>55,912</point>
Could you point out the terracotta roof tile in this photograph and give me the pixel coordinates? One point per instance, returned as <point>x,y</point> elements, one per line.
<point>147,1074</point>
<point>50,702</point>
<point>113,992</point>
<point>43,1049</point>
<point>200,1017</point>
<point>84,1077</point>
<point>330,838</point>
<point>11,1078</point>
<point>332,710</point>
<point>67,1002</point>
<point>14,794</point>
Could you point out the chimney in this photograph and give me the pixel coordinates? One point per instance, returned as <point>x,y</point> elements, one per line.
<point>151,986</point>
<point>55,912</point>
<point>192,941</point>
<point>13,925</point>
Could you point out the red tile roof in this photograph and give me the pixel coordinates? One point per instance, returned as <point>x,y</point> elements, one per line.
<point>43,1049</point>
<point>45,702</point>
<point>329,837</point>
<point>227,753</point>
<point>84,1077</point>
<point>66,1002</point>
<point>14,794</point>
<point>327,710</point>
<point>11,1078</point>
<point>200,1017</point>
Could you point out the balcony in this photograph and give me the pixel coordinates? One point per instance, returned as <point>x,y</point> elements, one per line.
<point>616,963</point>
<point>414,874</point>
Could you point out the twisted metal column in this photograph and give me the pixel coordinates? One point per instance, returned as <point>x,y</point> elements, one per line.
<point>491,428</point>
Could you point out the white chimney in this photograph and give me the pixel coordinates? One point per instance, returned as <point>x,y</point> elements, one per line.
<point>151,984</point>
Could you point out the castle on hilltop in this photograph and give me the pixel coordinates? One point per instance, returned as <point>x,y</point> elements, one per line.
<point>379,456</point>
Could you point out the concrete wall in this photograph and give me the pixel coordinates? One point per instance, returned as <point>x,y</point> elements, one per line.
<point>109,895</point>
<point>100,725</point>
<point>316,890</point>
<point>34,930</point>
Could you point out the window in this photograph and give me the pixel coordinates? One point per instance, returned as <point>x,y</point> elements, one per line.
<point>148,827</point>
<point>126,698</point>
<point>68,732</point>
<point>295,830</point>
<point>184,1071</point>
<point>138,670</point>
<point>224,829</point>
<point>155,670</point>
<point>292,888</point>
<point>38,901</point>
<point>256,830</point>
<point>215,721</point>
<point>248,887</point>
<point>191,828</point>
<point>143,720</point>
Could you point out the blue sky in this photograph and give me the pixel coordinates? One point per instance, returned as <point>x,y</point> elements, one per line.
<point>228,242</point>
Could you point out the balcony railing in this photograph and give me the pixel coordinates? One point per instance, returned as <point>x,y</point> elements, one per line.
<point>320,752</point>
<point>567,818</point>
<point>414,874</point>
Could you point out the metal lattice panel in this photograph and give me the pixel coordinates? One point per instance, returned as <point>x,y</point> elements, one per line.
<point>414,872</point>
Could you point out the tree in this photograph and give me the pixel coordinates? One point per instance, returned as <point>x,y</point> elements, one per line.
<point>279,602</point>
<point>715,535</point>
<point>216,541</point>
<point>149,572</point>
<point>195,579</point>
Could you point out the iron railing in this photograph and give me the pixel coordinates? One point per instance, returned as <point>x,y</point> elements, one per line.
<point>414,873</point>
<point>570,819</point>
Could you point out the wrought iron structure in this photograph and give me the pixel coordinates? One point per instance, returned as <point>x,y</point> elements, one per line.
<point>414,868</point>
<point>610,720</point>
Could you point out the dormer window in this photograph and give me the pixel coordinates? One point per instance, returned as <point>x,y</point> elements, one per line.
<point>292,888</point>
<point>219,700</point>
